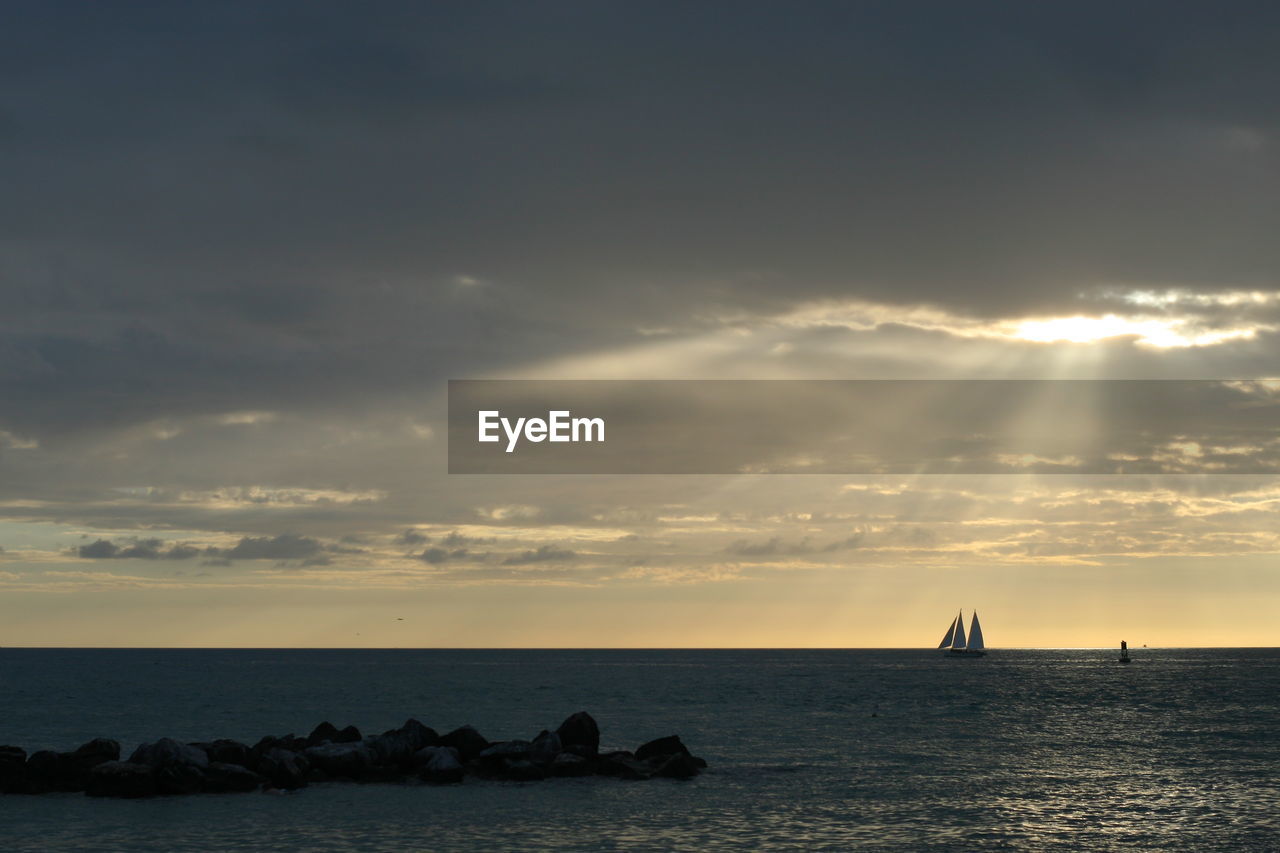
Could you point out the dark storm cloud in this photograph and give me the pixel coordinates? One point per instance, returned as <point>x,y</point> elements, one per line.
<point>252,204</point>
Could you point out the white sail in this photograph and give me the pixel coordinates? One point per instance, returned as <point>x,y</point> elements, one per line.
<point>957,642</point>
<point>975,633</point>
<point>946,641</point>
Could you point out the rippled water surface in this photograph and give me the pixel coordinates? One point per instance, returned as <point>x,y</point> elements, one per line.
<point>1024,750</point>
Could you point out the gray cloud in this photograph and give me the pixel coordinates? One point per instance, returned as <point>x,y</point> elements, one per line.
<point>771,547</point>
<point>541,554</point>
<point>980,157</point>
<point>454,539</point>
<point>322,215</point>
<point>138,549</point>
<point>99,550</point>
<point>435,556</point>
<point>286,546</point>
<point>776,546</point>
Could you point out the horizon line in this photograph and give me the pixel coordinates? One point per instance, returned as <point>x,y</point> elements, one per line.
<point>611,648</point>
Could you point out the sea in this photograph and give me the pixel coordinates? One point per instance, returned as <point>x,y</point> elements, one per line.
<point>1035,750</point>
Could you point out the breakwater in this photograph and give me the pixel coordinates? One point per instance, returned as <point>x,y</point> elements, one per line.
<point>413,753</point>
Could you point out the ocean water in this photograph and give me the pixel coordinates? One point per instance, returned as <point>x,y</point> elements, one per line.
<point>829,749</point>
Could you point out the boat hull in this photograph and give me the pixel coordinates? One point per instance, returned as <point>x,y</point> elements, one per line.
<point>968,653</point>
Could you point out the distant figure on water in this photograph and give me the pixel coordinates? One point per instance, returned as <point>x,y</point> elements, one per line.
<point>1124,652</point>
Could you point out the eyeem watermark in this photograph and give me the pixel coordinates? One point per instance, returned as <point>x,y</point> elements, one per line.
<point>908,427</point>
<point>558,426</point>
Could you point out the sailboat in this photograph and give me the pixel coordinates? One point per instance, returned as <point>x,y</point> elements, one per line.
<point>955,642</point>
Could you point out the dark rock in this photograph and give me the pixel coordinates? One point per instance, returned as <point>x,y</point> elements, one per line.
<point>507,749</point>
<point>98,751</point>
<point>520,770</point>
<point>289,743</point>
<point>326,732</point>
<point>222,777</point>
<point>440,765</point>
<point>69,771</point>
<point>493,762</point>
<point>425,754</point>
<point>661,747</point>
<point>13,769</point>
<point>623,765</point>
<point>426,734</point>
<point>545,747</point>
<point>170,767</point>
<point>180,777</point>
<point>168,751</point>
<point>283,768</point>
<point>578,750</point>
<point>177,768</point>
<point>469,742</point>
<point>568,764</point>
<point>44,772</point>
<point>580,730</point>
<point>397,747</point>
<point>391,749</point>
<point>226,751</point>
<point>678,767</point>
<point>121,779</point>
<point>350,760</point>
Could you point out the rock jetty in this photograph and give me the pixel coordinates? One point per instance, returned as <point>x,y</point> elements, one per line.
<point>413,753</point>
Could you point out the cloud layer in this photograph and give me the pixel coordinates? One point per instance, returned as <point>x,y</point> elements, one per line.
<point>243,247</point>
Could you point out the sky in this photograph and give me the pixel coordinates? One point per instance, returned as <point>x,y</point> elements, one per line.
<point>243,247</point>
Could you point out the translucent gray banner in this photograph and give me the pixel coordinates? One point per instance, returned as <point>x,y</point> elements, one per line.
<point>864,427</point>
